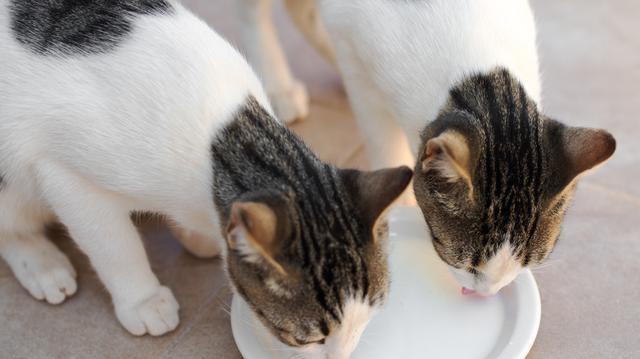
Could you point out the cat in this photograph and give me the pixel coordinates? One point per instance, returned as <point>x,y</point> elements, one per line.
<point>109,108</point>
<point>453,89</point>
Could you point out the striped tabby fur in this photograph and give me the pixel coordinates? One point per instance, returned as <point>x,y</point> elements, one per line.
<point>325,219</point>
<point>522,167</point>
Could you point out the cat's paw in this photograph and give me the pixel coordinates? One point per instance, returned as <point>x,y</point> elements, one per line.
<point>155,315</point>
<point>42,269</point>
<point>291,104</point>
<point>198,245</point>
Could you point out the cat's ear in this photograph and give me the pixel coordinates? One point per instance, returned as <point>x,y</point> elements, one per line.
<point>450,156</point>
<point>374,191</point>
<point>251,232</point>
<point>584,149</point>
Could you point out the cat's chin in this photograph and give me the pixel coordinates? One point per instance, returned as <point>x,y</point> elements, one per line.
<point>344,339</point>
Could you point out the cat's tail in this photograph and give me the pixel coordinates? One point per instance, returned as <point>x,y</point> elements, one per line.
<point>307,18</point>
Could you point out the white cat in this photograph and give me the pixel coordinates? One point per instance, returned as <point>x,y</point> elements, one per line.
<point>67,104</point>
<point>443,81</point>
<point>137,105</point>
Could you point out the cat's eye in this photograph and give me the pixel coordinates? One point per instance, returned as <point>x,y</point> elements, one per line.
<point>303,343</point>
<point>320,341</point>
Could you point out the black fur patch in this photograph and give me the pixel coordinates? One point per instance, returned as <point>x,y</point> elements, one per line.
<point>66,27</point>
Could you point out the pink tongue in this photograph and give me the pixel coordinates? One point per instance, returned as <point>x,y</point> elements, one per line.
<point>466,291</point>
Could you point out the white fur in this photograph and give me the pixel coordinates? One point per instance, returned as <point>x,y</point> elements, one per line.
<point>343,340</point>
<point>288,95</point>
<point>239,239</point>
<point>306,17</point>
<point>493,275</point>
<point>88,139</point>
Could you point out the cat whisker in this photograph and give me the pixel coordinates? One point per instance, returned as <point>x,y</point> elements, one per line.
<point>244,320</point>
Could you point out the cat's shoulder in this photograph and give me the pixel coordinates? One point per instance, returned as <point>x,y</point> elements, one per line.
<point>66,27</point>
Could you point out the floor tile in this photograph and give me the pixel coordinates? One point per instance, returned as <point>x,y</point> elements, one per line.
<point>86,326</point>
<point>589,286</point>
<point>209,336</point>
<point>590,60</point>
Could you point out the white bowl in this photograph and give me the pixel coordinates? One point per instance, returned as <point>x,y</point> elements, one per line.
<point>425,315</point>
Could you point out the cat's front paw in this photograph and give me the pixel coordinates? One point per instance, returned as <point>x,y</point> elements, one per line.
<point>291,104</point>
<point>44,271</point>
<point>155,315</point>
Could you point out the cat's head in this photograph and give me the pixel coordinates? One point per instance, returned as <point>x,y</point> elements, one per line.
<point>495,177</point>
<point>313,267</point>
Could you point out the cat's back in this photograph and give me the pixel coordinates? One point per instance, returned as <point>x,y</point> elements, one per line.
<point>433,44</point>
<point>88,77</point>
<point>112,49</point>
<point>461,34</point>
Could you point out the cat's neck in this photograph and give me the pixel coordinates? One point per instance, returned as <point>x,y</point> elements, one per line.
<point>494,97</point>
<point>254,152</point>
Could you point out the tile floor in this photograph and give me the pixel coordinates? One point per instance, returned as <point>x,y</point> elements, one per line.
<point>590,53</point>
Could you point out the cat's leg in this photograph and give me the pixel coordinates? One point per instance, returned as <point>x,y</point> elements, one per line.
<point>288,96</point>
<point>199,245</point>
<point>386,143</point>
<point>99,222</point>
<point>306,17</point>
<point>40,267</point>
<point>198,233</point>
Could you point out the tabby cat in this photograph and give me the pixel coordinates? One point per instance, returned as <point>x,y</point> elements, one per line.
<point>451,87</point>
<point>112,107</point>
